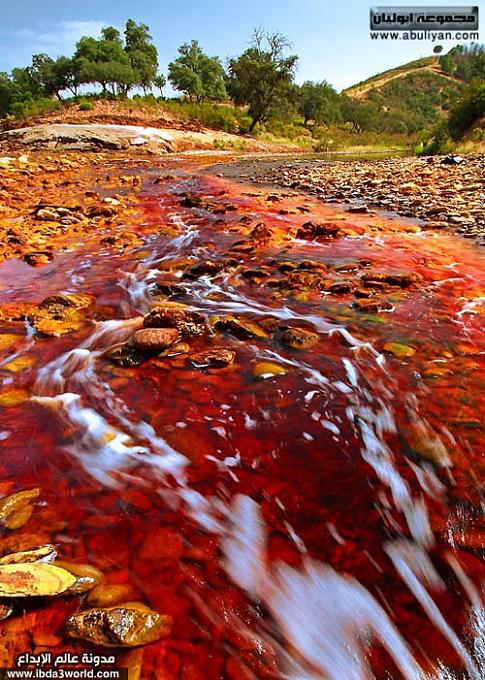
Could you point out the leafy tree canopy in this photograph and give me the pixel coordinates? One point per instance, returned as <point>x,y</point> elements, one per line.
<point>261,74</point>
<point>319,102</point>
<point>197,75</point>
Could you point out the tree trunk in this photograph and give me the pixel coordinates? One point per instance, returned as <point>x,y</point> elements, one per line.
<point>254,122</point>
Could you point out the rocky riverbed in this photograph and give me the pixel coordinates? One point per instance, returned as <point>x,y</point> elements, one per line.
<point>240,427</point>
<point>437,190</point>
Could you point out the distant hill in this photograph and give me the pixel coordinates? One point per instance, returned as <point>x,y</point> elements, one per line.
<point>418,93</point>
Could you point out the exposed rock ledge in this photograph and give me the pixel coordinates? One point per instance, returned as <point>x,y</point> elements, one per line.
<point>88,137</point>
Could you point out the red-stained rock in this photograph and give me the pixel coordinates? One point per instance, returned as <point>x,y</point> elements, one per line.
<point>186,321</point>
<point>153,340</point>
<point>217,357</point>
<point>164,544</point>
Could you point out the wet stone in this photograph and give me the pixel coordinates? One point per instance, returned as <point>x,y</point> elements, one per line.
<point>33,580</point>
<point>287,266</point>
<point>107,595</point>
<point>187,322</point>
<point>304,280</point>
<point>399,350</point>
<point>60,314</point>
<point>46,553</point>
<point>126,356</point>
<point>38,258</point>
<point>217,357</point>
<point>127,625</point>
<point>154,340</point>
<point>191,200</point>
<point>311,265</point>
<point>5,610</point>
<point>296,338</point>
<point>372,306</point>
<point>261,234</point>
<point>312,230</point>
<point>267,369</point>
<point>87,576</point>
<point>340,287</point>
<point>17,509</point>
<point>207,268</point>
<point>401,280</point>
<point>241,329</point>
<point>47,215</point>
<point>254,274</point>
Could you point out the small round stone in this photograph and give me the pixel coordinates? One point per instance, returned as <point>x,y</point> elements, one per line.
<point>153,340</point>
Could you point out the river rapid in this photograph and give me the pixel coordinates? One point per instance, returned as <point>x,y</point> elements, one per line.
<point>310,513</point>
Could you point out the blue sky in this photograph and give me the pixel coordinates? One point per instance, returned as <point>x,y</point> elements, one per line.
<point>331,37</point>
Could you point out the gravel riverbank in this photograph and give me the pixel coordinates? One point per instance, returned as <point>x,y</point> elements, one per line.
<point>441,193</point>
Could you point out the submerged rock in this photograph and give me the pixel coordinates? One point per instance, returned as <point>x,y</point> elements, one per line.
<point>126,356</point>
<point>46,553</point>
<point>261,234</point>
<point>372,306</point>
<point>312,230</point>
<point>187,322</point>
<point>267,369</point>
<point>206,268</point>
<point>154,340</point>
<point>109,594</point>
<point>301,281</point>
<point>59,314</point>
<point>127,625</point>
<point>165,288</point>
<point>243,330</point>
<point>17,509</point>
<point>217,357</point>
<point>5,611</point>
<point>38,258</point>
<point>87,577</point>
<point>34,580</point>
<point>400,280</point>
<point>296,338</point>
<point>192,200</point>
<point>398,349</point>
<point>339,287</point>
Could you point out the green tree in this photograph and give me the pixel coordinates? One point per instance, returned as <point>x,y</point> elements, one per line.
<point>65,75</point>
<point>197,75</point>
<point>104,61</point>
<point>8,94</point>
<point>49,78</point>
<point>466,62</point>
<point>160,81</point>
<point>469,109</point>
<point>142,54</point>
<point>319,102</point>
<point>259,76</point>
<point>26,81</point>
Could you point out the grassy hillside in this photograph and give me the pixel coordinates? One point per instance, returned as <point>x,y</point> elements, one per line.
<point>359,89</point>
<point>419,93</point>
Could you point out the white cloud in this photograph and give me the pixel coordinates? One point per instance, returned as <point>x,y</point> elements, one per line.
<point>52,39</point>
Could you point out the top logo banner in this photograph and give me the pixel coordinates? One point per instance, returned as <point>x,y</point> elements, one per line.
<point>423,18</point>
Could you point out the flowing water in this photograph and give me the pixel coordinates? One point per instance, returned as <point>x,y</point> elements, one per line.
<point>322,519</point>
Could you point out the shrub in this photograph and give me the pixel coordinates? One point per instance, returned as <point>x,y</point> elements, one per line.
<point>438,142</point>
<point>217,117</point>
<point>85,106</point>
<point>470,108</point>
<point>279,128</point>
<point>35,107</point>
